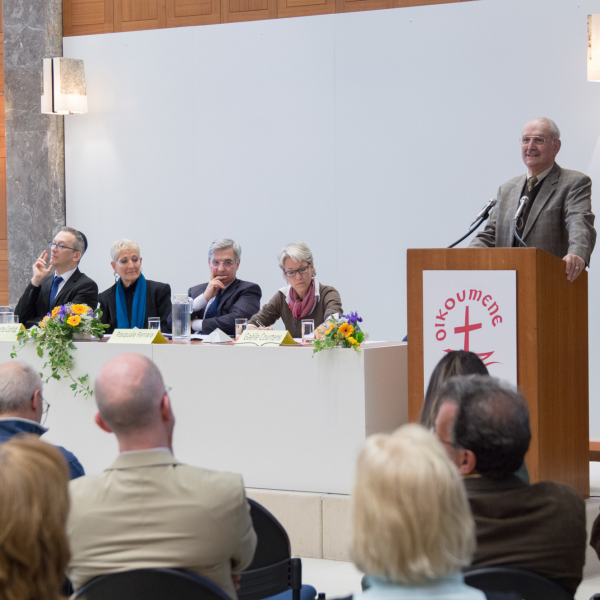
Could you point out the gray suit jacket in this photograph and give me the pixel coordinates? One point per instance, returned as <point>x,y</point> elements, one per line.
<point>148,510</point>
<point>561,220</point>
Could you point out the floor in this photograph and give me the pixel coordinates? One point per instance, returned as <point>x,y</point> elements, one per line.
<point>338,579</point>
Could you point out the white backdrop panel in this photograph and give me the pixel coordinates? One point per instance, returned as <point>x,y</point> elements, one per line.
<point>362,134</point>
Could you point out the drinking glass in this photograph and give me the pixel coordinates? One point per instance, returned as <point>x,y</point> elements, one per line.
<point>240,326</point>
<point>308,330</point>
<point>4,310</point>
<point>154,323</point>
<point>7,317</point>
<point>11,319</point>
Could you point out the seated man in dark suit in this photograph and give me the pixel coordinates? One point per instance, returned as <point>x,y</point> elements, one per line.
<point>68,284</point>
<point>484,427</point>
<point>218,303</point>
<point>22,408</point>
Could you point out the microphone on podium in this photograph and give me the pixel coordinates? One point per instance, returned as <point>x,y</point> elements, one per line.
<point>484,213</point>
<point>522,204</point>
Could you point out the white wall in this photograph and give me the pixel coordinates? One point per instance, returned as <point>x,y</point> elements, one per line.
<point>362,134</point>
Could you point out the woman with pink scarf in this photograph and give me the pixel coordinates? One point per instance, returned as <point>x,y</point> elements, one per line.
<point>302,298</point>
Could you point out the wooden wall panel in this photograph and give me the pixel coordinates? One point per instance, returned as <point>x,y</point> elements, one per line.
<point>3,229</point>
<point>136,15</point>
<point>356,5</point>
<point>304,8</point>
<point>247,10</point>
<point>405,3</point>
<point>85,17</point>
<point>183,13</point>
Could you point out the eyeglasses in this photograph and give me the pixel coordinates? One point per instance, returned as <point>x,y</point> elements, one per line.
<point>45,409</point>
<point>227,264</point>
<point>292,273</point>
<point>59,247</point>
<point>536,140</point>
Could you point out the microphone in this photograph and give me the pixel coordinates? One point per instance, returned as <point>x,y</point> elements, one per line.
<point>522,204</point>
<point>485,211</point>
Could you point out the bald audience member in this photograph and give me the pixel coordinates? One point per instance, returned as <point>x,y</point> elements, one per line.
<point>148,510</point>
<point>484,427</point>
<point>22,407</point>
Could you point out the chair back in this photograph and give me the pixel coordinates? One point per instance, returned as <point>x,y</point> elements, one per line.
<point>529,585</point>
<point>273,545</point>
<point>151,584</point>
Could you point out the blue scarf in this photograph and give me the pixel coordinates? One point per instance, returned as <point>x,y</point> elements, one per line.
<point>138,310</point>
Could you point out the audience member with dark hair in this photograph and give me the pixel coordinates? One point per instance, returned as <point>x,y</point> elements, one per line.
<point>22,407</point>
<point>147,509</point>
<point>34,503</point>
<point>409,548</point>
<point>484,427</point>
<point>457,362</point>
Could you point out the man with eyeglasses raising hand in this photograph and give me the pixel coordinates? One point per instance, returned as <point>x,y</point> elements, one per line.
<point>558,216</point>
<point>225,298</point>
<point>67,284</point>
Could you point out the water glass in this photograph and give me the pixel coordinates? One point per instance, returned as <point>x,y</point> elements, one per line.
<point>308,330</point>
<point>12,319</point>
<point>240,326</point>
<point>7,317</point>
<point>154,323</point>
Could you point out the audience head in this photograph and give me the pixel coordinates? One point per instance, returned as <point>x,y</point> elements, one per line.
<point>411,518</point>
<point>67,248</point>
<point>224,256</point>
<point>133,403</point>
<point>20,392</point>
<point>34,504</point>
<point>457,362</point>
<point>540,143</point>
<point>126,261</point>
<point>484,425</point>
<point>296,262</point>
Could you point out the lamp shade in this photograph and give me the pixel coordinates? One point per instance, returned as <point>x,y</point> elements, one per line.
<point>63,86</point>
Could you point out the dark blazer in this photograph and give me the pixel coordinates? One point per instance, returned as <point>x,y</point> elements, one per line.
<point>561,220</point>
<point>240,300</point>
<point>33,304</point>
<point>540,527</point>
<point>158,304</point>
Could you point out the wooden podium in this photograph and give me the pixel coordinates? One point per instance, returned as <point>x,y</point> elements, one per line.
<point>552,351</point>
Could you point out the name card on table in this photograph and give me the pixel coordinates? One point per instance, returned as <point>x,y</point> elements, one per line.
<point>254,337</point>
<point>137,336</point>
<point>11,332</point>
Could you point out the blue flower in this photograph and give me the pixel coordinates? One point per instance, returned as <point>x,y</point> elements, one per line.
<point>353,318</point>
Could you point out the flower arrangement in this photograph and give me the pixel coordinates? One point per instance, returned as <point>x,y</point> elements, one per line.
<point>55,334</point>
<point>344,332</point>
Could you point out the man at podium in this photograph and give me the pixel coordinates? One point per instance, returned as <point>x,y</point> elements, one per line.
<point>554,204</point>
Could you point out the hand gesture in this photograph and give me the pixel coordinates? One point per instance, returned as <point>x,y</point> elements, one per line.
<point>40,271</point>
<point>575,265</point>
<point>214,285</point>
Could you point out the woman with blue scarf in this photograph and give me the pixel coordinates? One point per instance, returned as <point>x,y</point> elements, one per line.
<point>133,299</point>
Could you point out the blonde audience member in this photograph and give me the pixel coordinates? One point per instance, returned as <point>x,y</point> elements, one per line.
<point>34,504</point>
<point>412,528</point>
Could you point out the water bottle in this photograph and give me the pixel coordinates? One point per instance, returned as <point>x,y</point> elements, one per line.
<point>181,323</point>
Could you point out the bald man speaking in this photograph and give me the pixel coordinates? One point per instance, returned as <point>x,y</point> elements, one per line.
<point>557,216</point>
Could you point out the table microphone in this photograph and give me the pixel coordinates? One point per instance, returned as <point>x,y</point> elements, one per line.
<point>485,211</point>
<point>522,204</point>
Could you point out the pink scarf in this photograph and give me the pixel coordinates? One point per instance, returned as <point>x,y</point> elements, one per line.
<point>302,308</point>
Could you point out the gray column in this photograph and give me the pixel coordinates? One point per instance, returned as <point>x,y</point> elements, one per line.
<point>35,158</point>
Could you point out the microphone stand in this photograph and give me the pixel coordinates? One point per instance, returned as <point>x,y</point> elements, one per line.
<point>475,225</point>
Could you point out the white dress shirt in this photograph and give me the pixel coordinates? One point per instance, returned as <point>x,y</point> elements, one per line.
<point>201,302</point>
<point>66,276</point>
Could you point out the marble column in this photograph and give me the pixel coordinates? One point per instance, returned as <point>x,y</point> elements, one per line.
<point>35,159</point>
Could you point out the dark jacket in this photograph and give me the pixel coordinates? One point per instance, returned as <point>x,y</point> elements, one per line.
<point>240,300</point>
<point>34,303</point>
<point>539,527</point>
<point>11,427</point>
<point>158,304</point>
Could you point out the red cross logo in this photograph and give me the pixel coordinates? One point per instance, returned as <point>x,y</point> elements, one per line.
<point>467,328</point>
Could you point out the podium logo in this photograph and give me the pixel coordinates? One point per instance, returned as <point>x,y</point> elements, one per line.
<point>464,314</point>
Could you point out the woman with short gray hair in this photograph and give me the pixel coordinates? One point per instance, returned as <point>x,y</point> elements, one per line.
<point>302,298</point>
<point>133,299</point>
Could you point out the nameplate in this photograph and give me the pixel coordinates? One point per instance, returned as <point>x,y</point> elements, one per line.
<point>11,332</point>
<point>137,336</point>
<point>254,337</point>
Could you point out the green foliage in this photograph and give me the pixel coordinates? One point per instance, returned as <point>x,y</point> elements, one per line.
<point>340,333</point>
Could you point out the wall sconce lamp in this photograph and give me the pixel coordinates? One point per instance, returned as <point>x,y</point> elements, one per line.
<point>593,60</point>
<point>63,87</point>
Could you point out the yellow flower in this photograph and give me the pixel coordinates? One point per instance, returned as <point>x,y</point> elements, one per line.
<point>44,321</point>
<point>78,309</point>
<point>74,321</point>
<point>55,311</point>
<point>331,325</point>
<point>353,341</point>
<point>346,329</point>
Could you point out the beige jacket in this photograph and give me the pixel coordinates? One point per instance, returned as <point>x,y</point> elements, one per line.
<point>148,510</point>
<point>328,303</point>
